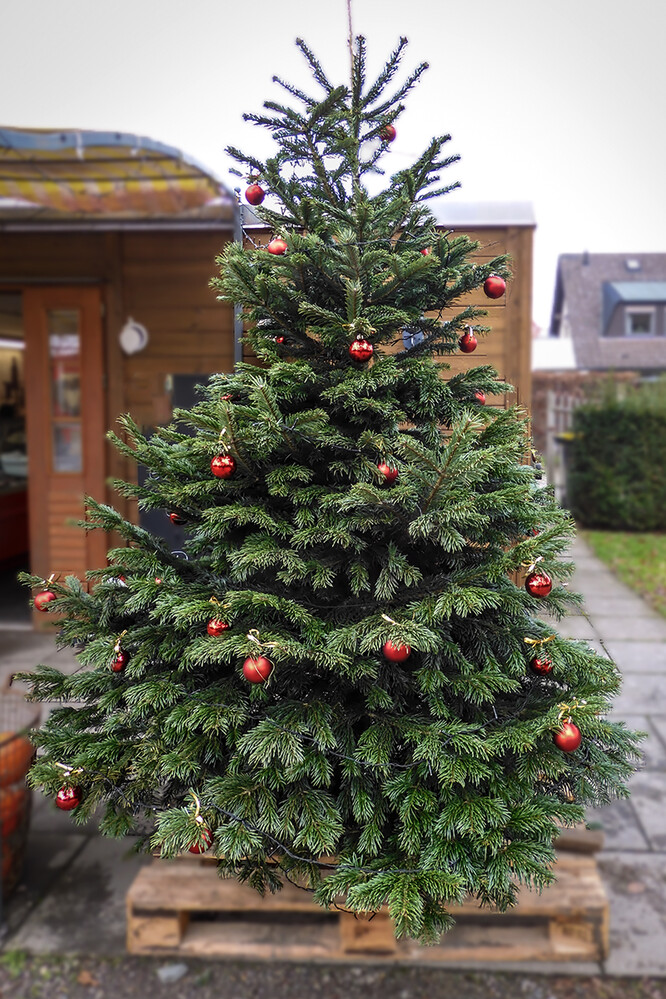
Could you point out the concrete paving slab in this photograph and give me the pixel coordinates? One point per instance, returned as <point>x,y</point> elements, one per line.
<point>46,858</point>
<point>648,797</point>
<point>630,606</point>
<point>643,629</point>
<point>622,830</point>
<point>638,657</point>
<point>652,748</point>
<point>21,651</point>
<point>86,915</point>
<point>640,692</point>
<point>576,627</point>
<point>599,584</point>
<point>636,886</point>
<point>659,724</point>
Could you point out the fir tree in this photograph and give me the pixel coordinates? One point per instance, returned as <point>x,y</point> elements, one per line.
<point>335,686</point>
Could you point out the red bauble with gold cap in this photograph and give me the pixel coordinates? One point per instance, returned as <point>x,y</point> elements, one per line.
<point>216,627</point>
<point>257,670</point>
<point>204,844</point>
<point>468,342</point>
<point>538,584</point>
<point>68,797</point>
<point>43,599</point>
<point>568,738</point>
<point>223,466</point>
<point>494,286</point>
<point>254,194</point>
<point>542,665</point>
<point>388,133</point>
<point>120,661</point>
<point>277,246</point>
<point>390,474</point>
<point>361,350</point>
<point>396,653</point>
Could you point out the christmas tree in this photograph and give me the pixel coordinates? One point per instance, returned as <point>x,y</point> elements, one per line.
<point>345,682</point>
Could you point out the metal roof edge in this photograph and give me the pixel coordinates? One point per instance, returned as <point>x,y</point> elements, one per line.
<point>483,214</point>
<point>107,225</point>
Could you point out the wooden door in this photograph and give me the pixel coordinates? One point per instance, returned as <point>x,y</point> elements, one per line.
<point>65,426</point>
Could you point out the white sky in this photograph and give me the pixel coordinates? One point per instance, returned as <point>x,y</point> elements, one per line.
<point>561,103</point>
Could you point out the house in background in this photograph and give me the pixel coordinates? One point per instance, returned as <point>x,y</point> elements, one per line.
<point>608,319</point>
<point>612,307</point>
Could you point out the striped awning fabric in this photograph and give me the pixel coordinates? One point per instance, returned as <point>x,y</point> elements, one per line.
<point>86,174</point>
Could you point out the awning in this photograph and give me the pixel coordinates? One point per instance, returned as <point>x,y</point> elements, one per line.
<point>87,175</point>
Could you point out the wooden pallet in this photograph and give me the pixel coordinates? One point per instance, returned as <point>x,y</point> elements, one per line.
<point>184,908</point>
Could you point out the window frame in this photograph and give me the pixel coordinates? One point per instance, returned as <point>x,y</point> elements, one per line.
<point>642,310</point>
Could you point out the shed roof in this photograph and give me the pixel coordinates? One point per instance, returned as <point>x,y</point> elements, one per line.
<point>482,214</point>
<point>86,177</point>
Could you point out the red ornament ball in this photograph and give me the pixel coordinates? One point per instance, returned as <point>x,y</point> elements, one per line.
<point>390,474</point>
<point>69,797</point>
<point>205,842</point>
<point>120,662</point>
<point>568,738</point>
<point>494,286</point>
<point>227,397</point>
<point>43,599</point>
<point>361,350</point>
<point>215,627</point>
<point>279,339</point>
<point>426,251</point>
<point>480,397</point>
<point>277,246</point>
<point>542,665</point>
<point>176,518</point>
<point>396,653</point>
<point>468,342</point>
<point>388,133</point>
<point>255,194</point>
<point>223,466</point>
<point>257,670</point>
<point>538,584</point>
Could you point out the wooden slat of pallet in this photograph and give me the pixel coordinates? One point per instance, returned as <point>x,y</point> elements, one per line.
<point>184,908</point>
<point>197,888</point>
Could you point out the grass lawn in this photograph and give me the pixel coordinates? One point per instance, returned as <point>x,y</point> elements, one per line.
<point>639,560</point>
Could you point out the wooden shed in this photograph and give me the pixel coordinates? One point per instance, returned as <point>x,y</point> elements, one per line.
<point>498,228</point>
<point>107,247</point>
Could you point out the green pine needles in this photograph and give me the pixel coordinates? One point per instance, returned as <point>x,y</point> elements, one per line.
<point>334,686</point>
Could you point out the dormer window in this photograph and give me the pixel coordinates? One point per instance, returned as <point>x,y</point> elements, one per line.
<point>639,320</point>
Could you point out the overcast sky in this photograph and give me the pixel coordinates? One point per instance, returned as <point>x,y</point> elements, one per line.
<point>562,104</point>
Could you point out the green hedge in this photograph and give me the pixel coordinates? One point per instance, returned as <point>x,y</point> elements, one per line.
<point>617,462</point>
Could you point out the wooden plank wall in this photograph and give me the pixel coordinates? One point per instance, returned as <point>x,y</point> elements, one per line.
<point>508,347</point>
<point>165,286</point>
<point>160,279</point>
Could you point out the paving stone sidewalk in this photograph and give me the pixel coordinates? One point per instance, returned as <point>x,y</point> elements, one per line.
<point>73,896</point>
